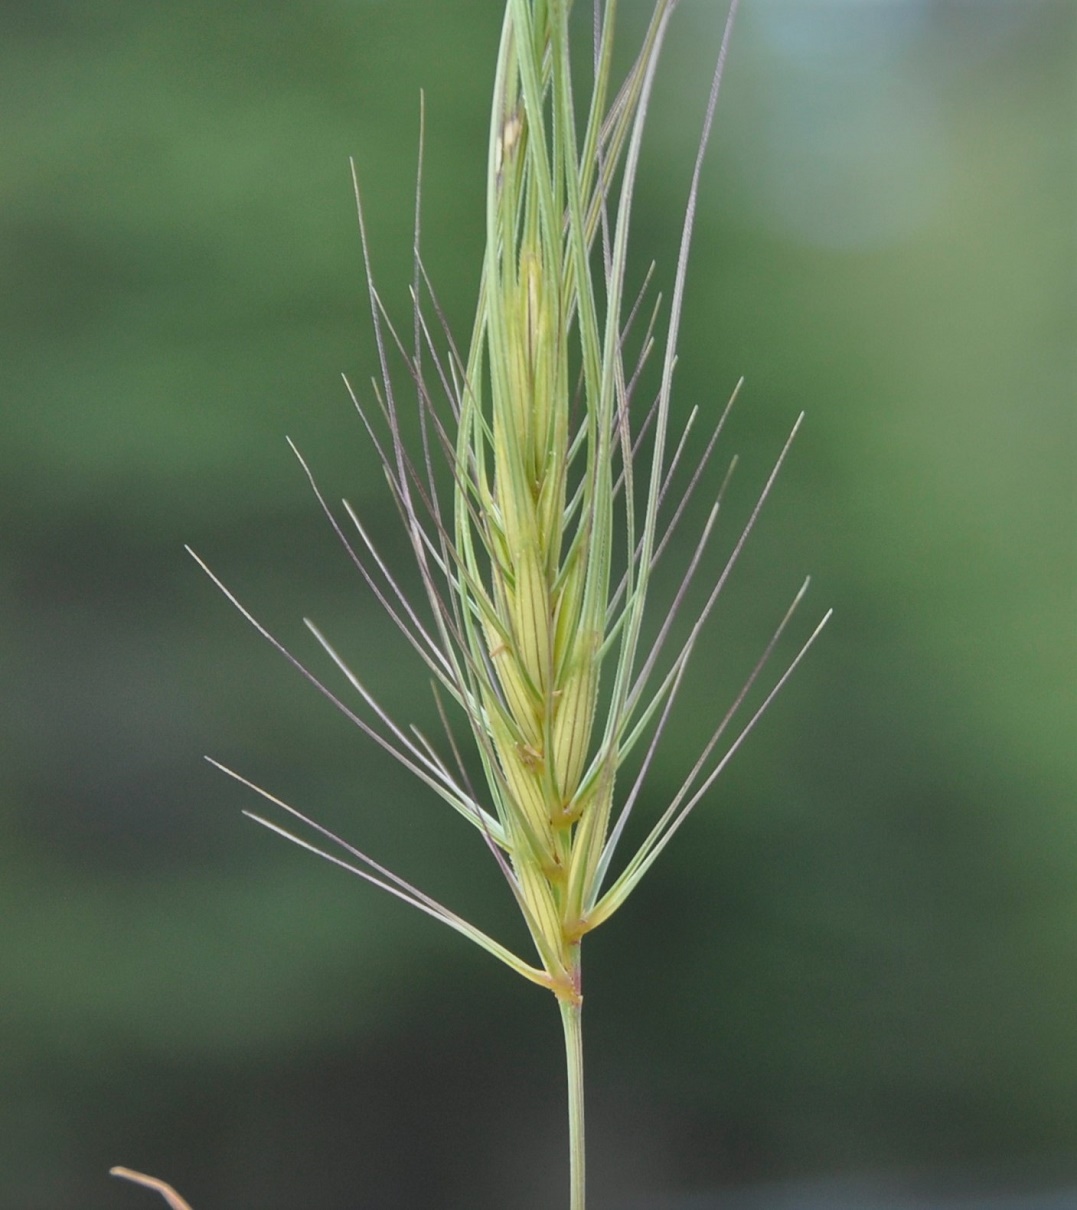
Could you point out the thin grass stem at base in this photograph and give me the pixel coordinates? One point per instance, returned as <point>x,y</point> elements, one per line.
<point>571,1019</point>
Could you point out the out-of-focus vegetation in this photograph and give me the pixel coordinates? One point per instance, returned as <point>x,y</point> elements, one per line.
<point>863,953</point>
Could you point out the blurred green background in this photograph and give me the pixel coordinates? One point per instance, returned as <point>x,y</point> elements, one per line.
<point>861,956</point>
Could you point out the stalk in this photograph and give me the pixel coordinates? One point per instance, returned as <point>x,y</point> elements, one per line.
<point>572,1020</point>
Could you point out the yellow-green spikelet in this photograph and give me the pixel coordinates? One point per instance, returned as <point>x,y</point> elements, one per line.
<point>547,666</point>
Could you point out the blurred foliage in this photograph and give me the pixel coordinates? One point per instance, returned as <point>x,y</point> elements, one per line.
<point>863,952</point>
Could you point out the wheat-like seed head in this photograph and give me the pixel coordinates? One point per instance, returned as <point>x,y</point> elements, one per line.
<point>564,496</point>
<point>536,568</point>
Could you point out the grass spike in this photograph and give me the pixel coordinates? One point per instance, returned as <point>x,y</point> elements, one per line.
<point>538,556</point>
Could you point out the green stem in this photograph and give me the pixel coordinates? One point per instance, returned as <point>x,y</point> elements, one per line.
<point>571,1020</point>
